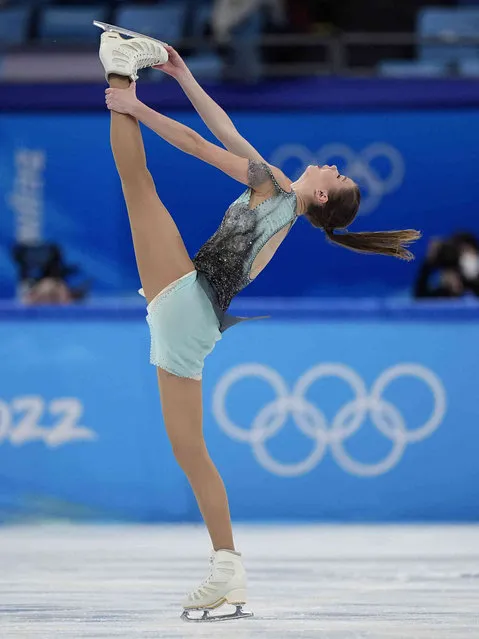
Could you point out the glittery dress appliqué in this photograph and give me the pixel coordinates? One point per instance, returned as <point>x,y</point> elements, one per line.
<point>227,257</point>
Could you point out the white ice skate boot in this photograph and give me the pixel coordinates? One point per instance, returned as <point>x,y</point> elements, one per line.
<point>225,584</point>
<point>123,56</point>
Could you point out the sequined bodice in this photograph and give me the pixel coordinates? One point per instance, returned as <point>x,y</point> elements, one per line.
<point>227,257</point>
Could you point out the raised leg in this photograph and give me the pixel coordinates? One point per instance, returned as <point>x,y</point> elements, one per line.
<point>161,255</point>
<point>181,401</point>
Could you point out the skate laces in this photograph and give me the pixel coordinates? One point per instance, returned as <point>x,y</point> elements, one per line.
<point>205,584</point>
<point>208,585</point>
<point>144,53</point>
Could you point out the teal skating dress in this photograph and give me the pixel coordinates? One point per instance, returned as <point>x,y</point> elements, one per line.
<point>188,317</point>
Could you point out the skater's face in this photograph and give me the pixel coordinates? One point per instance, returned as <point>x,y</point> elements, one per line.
<point>331,200</point>
<point>318,183</point>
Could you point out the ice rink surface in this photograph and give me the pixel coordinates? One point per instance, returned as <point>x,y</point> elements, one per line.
<point>321,582</point>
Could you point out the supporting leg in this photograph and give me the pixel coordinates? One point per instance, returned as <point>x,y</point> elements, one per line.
<point>160,252</point>
<point>181,401</point>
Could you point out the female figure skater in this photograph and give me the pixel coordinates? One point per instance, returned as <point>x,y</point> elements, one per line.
<point>188,299</point>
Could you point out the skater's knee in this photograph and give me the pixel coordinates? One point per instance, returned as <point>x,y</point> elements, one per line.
<point>190,455</point>
<point>136,177</point>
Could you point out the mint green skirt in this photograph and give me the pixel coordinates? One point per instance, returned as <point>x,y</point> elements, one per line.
<point>185,323</point>
<point>184,327</point>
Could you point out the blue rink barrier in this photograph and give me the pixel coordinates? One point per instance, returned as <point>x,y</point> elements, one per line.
<point>48,192</point>
<point>301,94</point>
<point>352,411</point>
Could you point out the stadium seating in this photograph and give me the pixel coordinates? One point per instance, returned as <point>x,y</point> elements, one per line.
<point>14,24</point>
<point>70,24</point>
<point>469,68</point>
<point>436,60</point>
<point>165,22</point>
<point>449,24</point>
<point>173,20</point>
<point>411,69</point>
<point>205,63</point>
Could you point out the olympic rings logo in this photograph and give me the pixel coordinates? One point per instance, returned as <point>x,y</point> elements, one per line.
<point>358,166</point>
<point>312,422</point>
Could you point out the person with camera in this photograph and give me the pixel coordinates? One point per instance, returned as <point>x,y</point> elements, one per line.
<point>43,275</point>
<point>451,268</point>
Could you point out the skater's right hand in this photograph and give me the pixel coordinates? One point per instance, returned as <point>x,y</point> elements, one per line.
<point>175,66</point>
<point>122,100</point>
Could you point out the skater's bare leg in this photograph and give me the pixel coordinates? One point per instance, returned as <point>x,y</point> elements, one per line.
<point>160,252</point>
<point>181,401</point>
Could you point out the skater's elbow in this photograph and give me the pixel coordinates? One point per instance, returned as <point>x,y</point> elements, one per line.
<point>197,144</point>
<point>184,138</point>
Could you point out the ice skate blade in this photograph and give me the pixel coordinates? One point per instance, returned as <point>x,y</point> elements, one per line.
<point>133,34</point>
<point>207,618</point>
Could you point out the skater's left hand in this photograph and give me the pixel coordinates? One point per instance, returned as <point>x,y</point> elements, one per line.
<point>175,66</point>
<point>122,100</point>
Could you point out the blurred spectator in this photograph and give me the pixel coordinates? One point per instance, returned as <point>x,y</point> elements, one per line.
<point>228,14</point>
<point>451,268</point>
<point>43,275</point>
<point>239,24</point>
<point>48,291</point>
<point>468,246</point>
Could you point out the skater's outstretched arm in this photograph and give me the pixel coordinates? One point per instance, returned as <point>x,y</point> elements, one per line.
<point>215,118</point>
<point>187,140</point>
